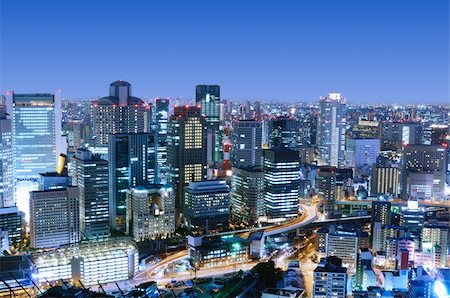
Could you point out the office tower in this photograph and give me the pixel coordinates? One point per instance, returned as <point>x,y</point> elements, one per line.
<point>381,218</point>
<point>54,217</point>
<point>412,218</point>
<point>150,212</point>
<point>90,174</point>
<point>246,151</point>
<point>283,133</point>
<point>6,160</point>
<point>396,135</point>
<point>435,242</point>
<point>247,196</point>
<point>330,279</point>
<point>12,221</point>
<point>208,97</point>
<point>361,154</point>
<point>206,206</point>
<point>331,121</point>
<point>384,181</point>
<point>326,188</point>
<point>367,129</point>
<point>431,159</point>
<point>281,184</point>
<point>120,112</point>
<point>186,151</point>
<point>162,118</point>
<point>344,184</point>
<point>132,162</point>
<point>439,134</point>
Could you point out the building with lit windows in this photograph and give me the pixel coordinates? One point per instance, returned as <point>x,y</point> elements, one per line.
<point>6,160</point>
<point>91,262</point>
<point>216,251</point>
<point>330,279</point>
<point>186,151</point>
<point>206,206</point>
<point>282,179</point>
<point>246,151</point>
<point>247,196</point>
<point>396,135</point>
<point>331,122</point>
<point>412,218</point>
<point>54,217</point>
<point>120,112</point>
<point>384,180</point>
<point>90,174</point>
<point>162,118</point>
<point>208,97</point>
<point>283,132</point>
<point>326,188</point>
<point>435,242</point>
<point>361,154</point>
<point>150,212</point>
<point>12,221</point>
<point>132,162</point>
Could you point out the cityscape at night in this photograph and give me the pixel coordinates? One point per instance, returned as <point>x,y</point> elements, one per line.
<point>267,149</point>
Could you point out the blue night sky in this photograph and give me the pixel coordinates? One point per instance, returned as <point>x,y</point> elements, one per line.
<point>371,51</point>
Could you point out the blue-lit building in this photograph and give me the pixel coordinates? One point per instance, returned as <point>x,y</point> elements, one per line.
<point>282,175</point>
<point>283,132</point>
<point>162,118</point>
<point>6,160</point>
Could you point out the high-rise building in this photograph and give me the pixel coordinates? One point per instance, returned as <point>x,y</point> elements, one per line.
<point>162,118</point>
<point>36,133</point>
<point>132,162</point>
<point>246,151</point>
<point>396,135</point>
<point>331,121</point>
<point>282,179</point>
<point>151,212</point>
<point>425,159</point>
<point>439,134</point>
<point>208,96</point>
<point>381,218</point>
<point>186,151</point>
<point>6,160</point>
<point>283,133</point>
<point>120,112</point>
<point>54,217</point>
<point>326,188</point>
<point>12,221</point>
<point>206,206</point>
<point>361,154</point>
<point>330,279</point>
<point>90,174</point>
<point>385,180</point>
<point>247,196</point>
<point>412,218</point>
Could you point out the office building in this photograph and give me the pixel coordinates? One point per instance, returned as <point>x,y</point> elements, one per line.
<point>397,135</point>
<point>330,279</point>
<point>12,221</point>
<point>381,218</point>
<point>90,263</point>
<point>206,206</point>
<point>54,217</point>
<point>367,129</point>
<point>132,162</point>
<point>186,151</point>
<point>6,160</point>
<point>162,118</point>
<point>385,180</point>
<point>120,112</point>
<point>247,196</point>
<point>361,154</point>
<point>326,189</point>
<point>283,133</point>
<point>430,159</point>
<point>439,134</point>
<point>16,276</point>
<point>281,184</point>
<point>246,151</point>
<point>435,242</point>
<point>208,97</point>
<point>412,218</point>
<point>90,174</point>
<point>151,212</point>
<point>331,121</point>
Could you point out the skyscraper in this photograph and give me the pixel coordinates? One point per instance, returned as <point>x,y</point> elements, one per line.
<point>6,159</point>
<point>331,121</point>
<point>54,217</point>
<point>326,188</point>
<point>120,112</point>
<point>283,133</point>
<point>132,162</point>
<point>90,174</point>
<point>186,151</point>
<point>281,183</point>
<point>208,96</point>
<point>162,118</point>
<point>246,149</point>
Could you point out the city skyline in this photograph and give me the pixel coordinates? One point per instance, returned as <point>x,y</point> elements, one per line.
<point>289,52</point>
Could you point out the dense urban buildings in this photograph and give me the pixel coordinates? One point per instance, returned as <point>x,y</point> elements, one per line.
<point>6,159</point>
